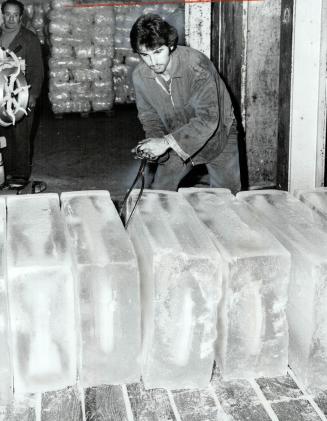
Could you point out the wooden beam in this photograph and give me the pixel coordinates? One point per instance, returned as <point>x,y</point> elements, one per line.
<point>198,26</point>
<point>284,101</point>
<point>261,91</point>
<point>228,53</point>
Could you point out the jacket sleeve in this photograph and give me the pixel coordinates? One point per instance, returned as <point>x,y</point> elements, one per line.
<point>149,118</point>
<point>204,102</point>
<point>34,66</point>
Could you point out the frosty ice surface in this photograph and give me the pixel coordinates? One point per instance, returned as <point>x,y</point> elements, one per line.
<point>108,289</point>
<point>41,295</point>
<point>304,234</point>
<point>180,290</point>
<point>252,325</point>
<point>5,361</point>
<point>315,198</point>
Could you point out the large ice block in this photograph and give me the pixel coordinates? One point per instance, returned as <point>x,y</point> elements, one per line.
<point>253,340</point>
<point>6,375</point>
<point>180,290</point>
<point>316,199</point>
<point>108,289</point>
<point>41,295</point>
<point>304,234</point>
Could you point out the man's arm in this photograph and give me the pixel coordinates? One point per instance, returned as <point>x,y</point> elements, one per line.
<point>149,118</point>
<point>204,100</point>
<point>34,69</point>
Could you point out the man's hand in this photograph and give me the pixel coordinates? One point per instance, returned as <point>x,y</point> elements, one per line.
<point>31,101</point>
<point>152,148</point>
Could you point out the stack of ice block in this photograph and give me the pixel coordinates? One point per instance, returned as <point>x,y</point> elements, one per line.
<point>301,231</point>
<point>253,339</point>
<point>108,289</point>
<point>5,361</point>
<point>180,290</point>
<point>41,295</point>
<point>315,198</point>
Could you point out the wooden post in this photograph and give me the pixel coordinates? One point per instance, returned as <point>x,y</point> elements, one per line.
<point>248,57</point>
<point>198,26</point>
<point>284,103</point>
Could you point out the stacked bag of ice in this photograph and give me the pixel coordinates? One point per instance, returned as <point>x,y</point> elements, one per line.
<point>82,48</point>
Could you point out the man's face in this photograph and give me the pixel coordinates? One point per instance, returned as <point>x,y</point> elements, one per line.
<point>11,16</point>
<point>158,59</point>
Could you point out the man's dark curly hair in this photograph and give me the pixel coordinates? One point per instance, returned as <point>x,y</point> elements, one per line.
<point>14,3</point>
<point>152,31</point>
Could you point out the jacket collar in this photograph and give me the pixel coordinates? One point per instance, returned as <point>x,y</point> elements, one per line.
<point>20,29</point>
<point>176,69</point>
<point>19,34</point>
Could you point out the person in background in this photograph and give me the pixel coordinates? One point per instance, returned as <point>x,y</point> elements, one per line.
<point>184,108</point>
<point>25,44</point>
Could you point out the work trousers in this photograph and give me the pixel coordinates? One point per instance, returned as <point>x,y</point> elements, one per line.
<point>17,155</point>
<point>224,170</point>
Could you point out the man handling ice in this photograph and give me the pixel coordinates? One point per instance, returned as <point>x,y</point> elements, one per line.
<point>184,107</point>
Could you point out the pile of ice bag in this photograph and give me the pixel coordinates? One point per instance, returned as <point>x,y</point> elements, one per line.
<point>82,49</point>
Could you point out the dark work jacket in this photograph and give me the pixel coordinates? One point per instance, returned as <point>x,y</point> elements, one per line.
<point>198,112</point>
<point>32,54</point>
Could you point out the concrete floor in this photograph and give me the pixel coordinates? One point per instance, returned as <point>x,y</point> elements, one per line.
<point>273,399</point>
<point>76,153</point>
